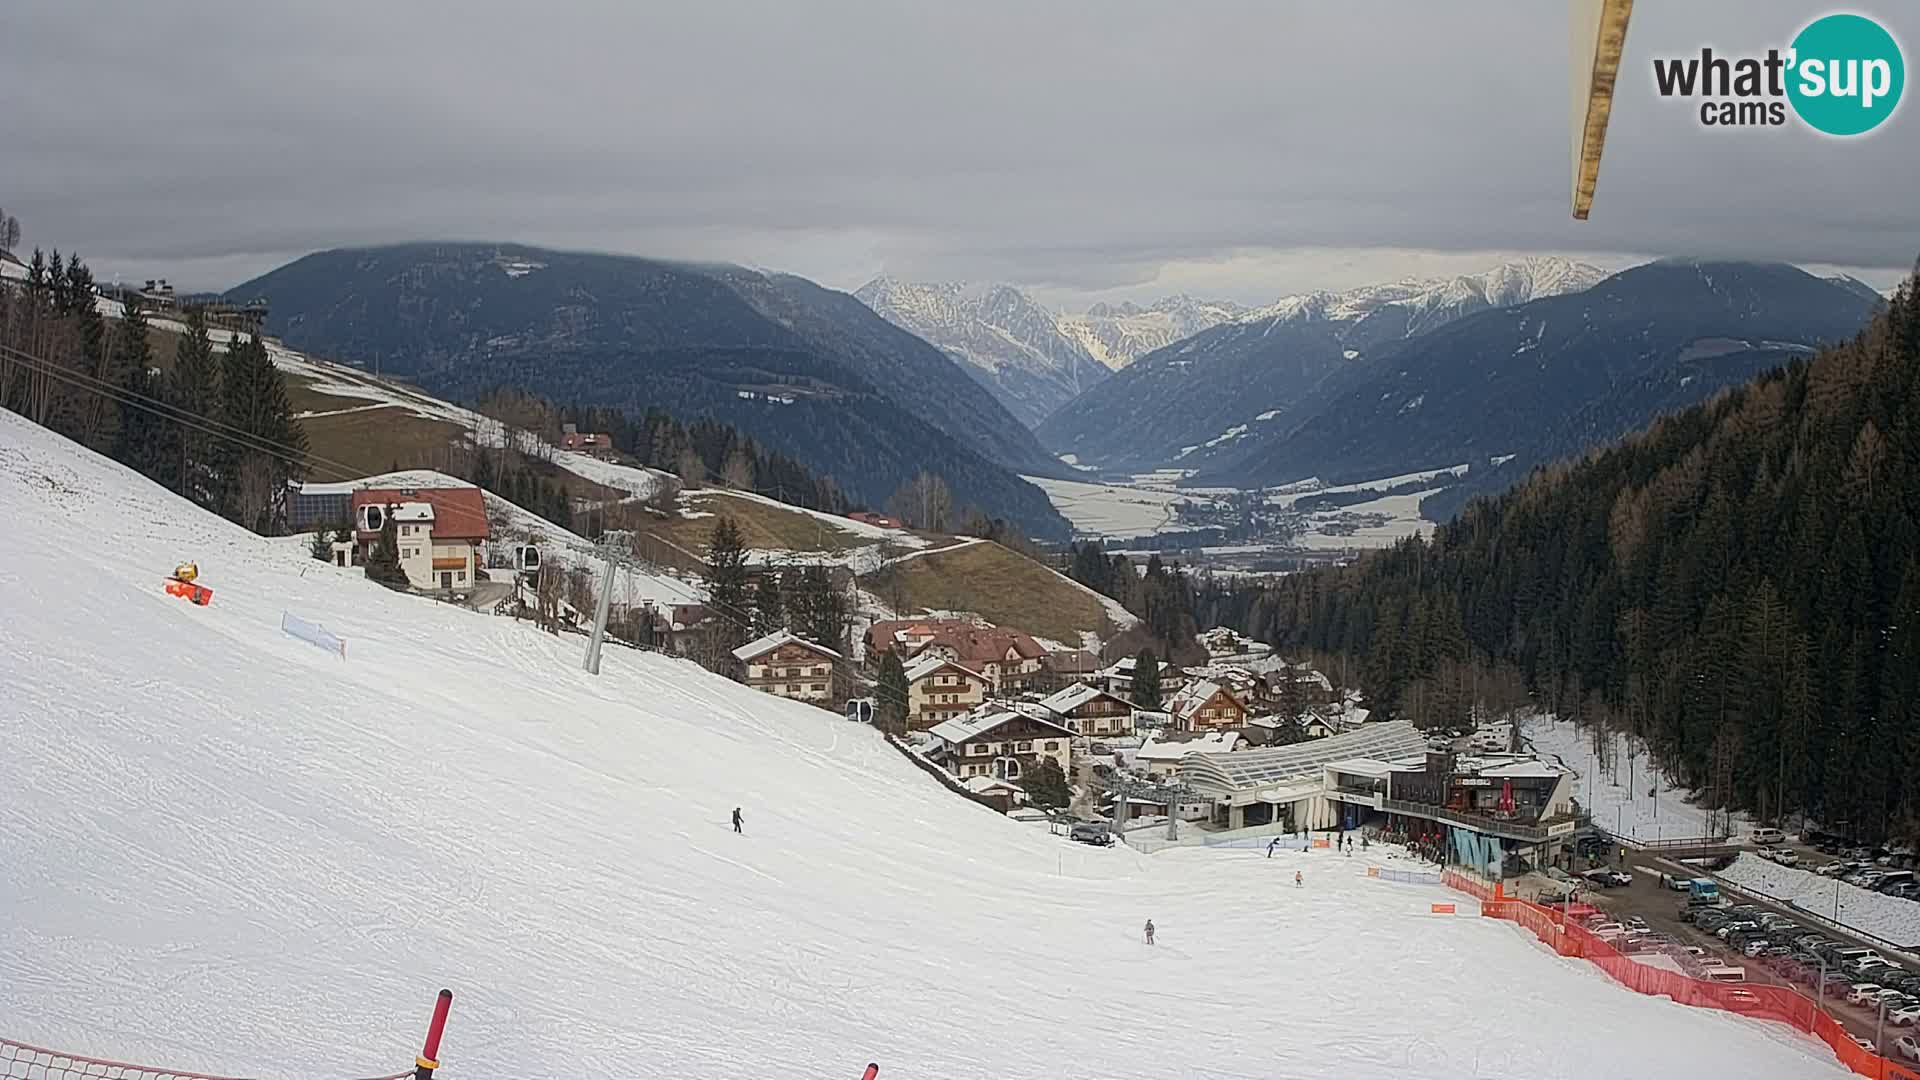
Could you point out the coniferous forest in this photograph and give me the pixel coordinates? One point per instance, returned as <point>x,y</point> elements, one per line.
<point>217,427</point>
<point>1739,584</point>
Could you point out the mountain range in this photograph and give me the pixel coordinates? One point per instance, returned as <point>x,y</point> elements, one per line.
<point>1213,389</point>
<point>804,370</point>
<point>1034,359</point>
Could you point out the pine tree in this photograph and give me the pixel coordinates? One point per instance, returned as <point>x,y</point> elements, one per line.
<point>146,432</point>
<point>726,581</point>
<point>1146,680</point>
<point>826,616</point>
<point>383,562</point>
<point>1046,785</point>
<point>194,388</point>
<point>769,605</point>
<point>890,692</point>
<point>255,465</point>
<point>1291,697</point>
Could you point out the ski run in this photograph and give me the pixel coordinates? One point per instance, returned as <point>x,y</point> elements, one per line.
<point>228,851</point>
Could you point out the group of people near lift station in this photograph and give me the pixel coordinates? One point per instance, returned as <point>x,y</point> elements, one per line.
<point>1341,841</point>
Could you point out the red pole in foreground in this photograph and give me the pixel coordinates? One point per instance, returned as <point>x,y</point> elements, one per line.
<point>873,1070</point>
<point>426,1063</point>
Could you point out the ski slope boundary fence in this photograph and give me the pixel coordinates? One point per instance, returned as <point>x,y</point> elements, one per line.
<point>19,1061</point>
<point>1777,1003</point>
<point>24,1061</point>
<point>313,633</point>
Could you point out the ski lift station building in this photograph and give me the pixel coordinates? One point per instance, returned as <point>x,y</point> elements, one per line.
<point>1385,774</point>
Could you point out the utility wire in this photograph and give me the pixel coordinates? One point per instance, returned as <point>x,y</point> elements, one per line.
<point>738,617</point>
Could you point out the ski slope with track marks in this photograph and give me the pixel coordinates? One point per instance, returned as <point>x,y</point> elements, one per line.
<point>225,850</point>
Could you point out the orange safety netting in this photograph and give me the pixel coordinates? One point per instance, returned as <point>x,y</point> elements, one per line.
<point>1777,1003</point>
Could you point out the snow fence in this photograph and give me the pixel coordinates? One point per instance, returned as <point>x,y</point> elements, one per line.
<point>1777,1003</point>
<point>313,633</point>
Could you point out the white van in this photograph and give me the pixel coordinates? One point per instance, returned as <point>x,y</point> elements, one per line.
<point>1724,974</point>
<point>1767,836</point>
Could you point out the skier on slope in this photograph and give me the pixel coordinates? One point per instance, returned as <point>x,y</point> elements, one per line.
<point>1149,931</point>
<point>736,819</point>
<point>1271,844</point>
<point>1296,879</point>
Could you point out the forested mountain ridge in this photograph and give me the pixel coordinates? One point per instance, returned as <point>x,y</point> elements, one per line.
<point>1739,583</point>
<point>807,372</point>
<point>1552,377</point>
<point>1239,384</point>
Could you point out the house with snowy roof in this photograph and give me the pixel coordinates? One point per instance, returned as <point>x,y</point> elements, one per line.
<point>788,666</point>
<point>999,743</point>
<point>1161,755</point>
<point>1088,710</point>
<point>1010,659</point>
<point>1117,677</point>
<point>939,689</point>
<point>1207,706</point>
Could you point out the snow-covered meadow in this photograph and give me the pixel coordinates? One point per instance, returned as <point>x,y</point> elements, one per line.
<point>226,850</point>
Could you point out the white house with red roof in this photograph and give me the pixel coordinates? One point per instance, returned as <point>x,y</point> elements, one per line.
<point>441,532</point>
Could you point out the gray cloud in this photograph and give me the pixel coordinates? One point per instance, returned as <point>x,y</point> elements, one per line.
<point>1083,147</point>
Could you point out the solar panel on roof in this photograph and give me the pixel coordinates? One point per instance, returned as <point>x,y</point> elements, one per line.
<point>1253,768</point>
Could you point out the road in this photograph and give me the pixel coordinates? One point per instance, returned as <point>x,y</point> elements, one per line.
<point>1660,907</point>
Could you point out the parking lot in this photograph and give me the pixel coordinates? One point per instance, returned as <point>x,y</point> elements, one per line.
<point>1659,908</point>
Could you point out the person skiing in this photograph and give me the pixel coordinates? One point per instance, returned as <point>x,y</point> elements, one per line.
<point>1271,844</point>
<point>736,819</point>
<point>1296,879</point>
<point>1149,931</point>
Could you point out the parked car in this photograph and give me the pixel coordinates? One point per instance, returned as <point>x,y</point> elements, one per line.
<point>1906,890</point>
<point>1904,1017</point>
<point>1887,976</point>
<point>1090,833</point>
<point>1862,993</point>
<point>1908,1047</point>
<point>1893,1001</point>
<point>1767,835</point>
<point>1833,869</point>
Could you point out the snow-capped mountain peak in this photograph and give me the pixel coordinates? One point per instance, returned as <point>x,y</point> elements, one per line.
<point>998,334</point>
<point>1503,286</point>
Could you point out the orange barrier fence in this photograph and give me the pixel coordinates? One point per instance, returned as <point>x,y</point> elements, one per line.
<point>1778,1003</point>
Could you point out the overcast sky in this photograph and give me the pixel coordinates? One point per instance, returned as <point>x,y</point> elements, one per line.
<point>1088,149</point>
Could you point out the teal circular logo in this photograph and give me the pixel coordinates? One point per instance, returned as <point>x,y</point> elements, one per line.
<point>1847,74</point>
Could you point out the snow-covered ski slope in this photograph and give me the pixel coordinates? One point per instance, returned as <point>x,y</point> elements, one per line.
<point>223,849</point>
